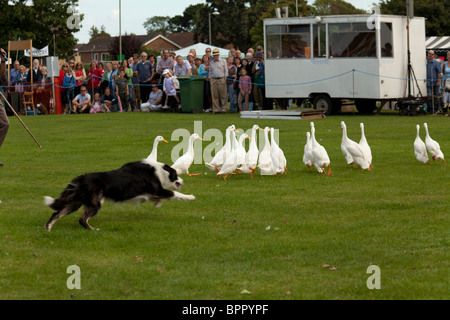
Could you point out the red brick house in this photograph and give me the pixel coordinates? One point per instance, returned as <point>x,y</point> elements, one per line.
<point>98,49</point>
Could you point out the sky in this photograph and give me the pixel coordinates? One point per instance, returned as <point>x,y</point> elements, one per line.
<point>136,12</point>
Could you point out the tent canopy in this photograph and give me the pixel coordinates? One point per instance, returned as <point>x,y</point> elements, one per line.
<point>438,44</point>
<point>200,49</point>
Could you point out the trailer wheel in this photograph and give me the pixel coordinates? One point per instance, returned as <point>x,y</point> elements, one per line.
<point>365,106</point>
<point>323,102</point>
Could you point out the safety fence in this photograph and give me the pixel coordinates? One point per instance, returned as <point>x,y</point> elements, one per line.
<point>48,94</point>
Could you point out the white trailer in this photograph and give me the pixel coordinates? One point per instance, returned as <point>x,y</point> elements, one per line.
<point>359,57</point>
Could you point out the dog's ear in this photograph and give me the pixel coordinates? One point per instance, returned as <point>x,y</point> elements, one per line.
<point>172,172</point>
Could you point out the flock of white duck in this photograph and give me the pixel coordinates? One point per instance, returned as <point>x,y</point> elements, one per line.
<point>232,158</point>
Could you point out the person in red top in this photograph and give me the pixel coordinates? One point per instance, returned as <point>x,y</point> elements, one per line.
<point>94,75</point>
<point>62,74</point>
<point>80,77</point>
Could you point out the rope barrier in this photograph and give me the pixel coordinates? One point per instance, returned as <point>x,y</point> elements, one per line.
<point>86,82</point>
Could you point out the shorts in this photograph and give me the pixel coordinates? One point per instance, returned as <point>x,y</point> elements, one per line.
<point>136,92</point>
<point>446,97</point>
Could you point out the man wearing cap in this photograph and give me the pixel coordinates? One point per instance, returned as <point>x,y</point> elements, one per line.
<point>218,71</point>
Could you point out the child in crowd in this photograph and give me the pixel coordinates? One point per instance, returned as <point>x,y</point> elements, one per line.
<point>245,89</point>
<point>122,89</point>
<point>69,85</point>
<point>170,88</point>
<point>96,105</point>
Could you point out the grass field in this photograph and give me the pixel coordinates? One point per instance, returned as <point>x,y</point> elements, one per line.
<point>293,237</point>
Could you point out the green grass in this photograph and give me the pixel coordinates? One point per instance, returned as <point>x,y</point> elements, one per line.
<point>395,217</point>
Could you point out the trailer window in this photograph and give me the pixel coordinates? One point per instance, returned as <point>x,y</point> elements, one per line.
<point>320,41</point>
<point>351,40</point>
<point>289,41</point>
<point>386,40</point>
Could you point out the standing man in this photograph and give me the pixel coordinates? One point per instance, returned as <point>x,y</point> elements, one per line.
<point>166,62</point>
<point>433,81</point>
<point>14,72</point>
<point>136,91</point>
<point>4,122</point>
<point>36,70</point>
<point>145,75</point>
<point>218,71</point>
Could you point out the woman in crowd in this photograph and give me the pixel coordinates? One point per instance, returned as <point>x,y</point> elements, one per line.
<point>80,77</point>
<point>203,71</point>
<point>105,77</point>
<point>232,74</point>
<point>94,78</point>
<point>129,75</point>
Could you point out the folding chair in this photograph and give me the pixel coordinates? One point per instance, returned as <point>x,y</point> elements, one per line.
<point>28,101</point>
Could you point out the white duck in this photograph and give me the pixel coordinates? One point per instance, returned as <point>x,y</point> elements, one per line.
<point>278,158</point>
<point>420,150</point>
<point>307,151</point>
<point>365,146</point>
<point>433,146</point>
<point>354,150</point>
<point>218,160</point>
<point>251,157</point>
<point>347,155</point>
<point>232,159</point>
<point>241,150</point>
<point>265,160</point>
<point>154,154</point>
<point>245,167</point>
<point>319,156</point>
<point>184,162</point>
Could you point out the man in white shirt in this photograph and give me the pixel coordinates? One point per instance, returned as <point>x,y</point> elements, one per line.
<point>82,102</point>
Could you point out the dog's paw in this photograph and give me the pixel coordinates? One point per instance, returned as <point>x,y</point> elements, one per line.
<point>158,204</point>
<point>190,197</point>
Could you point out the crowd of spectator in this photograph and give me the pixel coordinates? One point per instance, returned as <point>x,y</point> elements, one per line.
<point>142,83</point>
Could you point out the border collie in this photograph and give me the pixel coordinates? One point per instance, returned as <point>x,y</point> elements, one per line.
<point>135,182</point>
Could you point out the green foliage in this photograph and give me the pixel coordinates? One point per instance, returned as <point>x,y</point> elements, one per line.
<point>157,24</point>
<point>38,22</point>
<point>334,7</point>
<point>257,32</point>
<point>185,22</point>
<point>435,11</point>
<point>95,33</point>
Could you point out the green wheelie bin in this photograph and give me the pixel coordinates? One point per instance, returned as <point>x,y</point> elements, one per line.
<point>191,93</point>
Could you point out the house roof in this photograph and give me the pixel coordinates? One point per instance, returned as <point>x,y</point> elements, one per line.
<point>179,40</point>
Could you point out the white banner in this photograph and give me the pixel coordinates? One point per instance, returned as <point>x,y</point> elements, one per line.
<point>37,53</point>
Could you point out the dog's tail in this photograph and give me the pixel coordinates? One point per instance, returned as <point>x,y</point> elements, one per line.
<point>66,197</point>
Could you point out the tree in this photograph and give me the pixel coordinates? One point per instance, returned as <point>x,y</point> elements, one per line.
<point>232,25</point>
<point>130,46</point>
<point>185,22</point>
<point>257,32</point>
<point>334,7</point>
<point>39,22</point>
<point>436,12</point>
<point>95,33</point>
<point>157,24</point>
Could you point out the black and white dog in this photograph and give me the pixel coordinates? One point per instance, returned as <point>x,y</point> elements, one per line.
<point>136,182</point>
